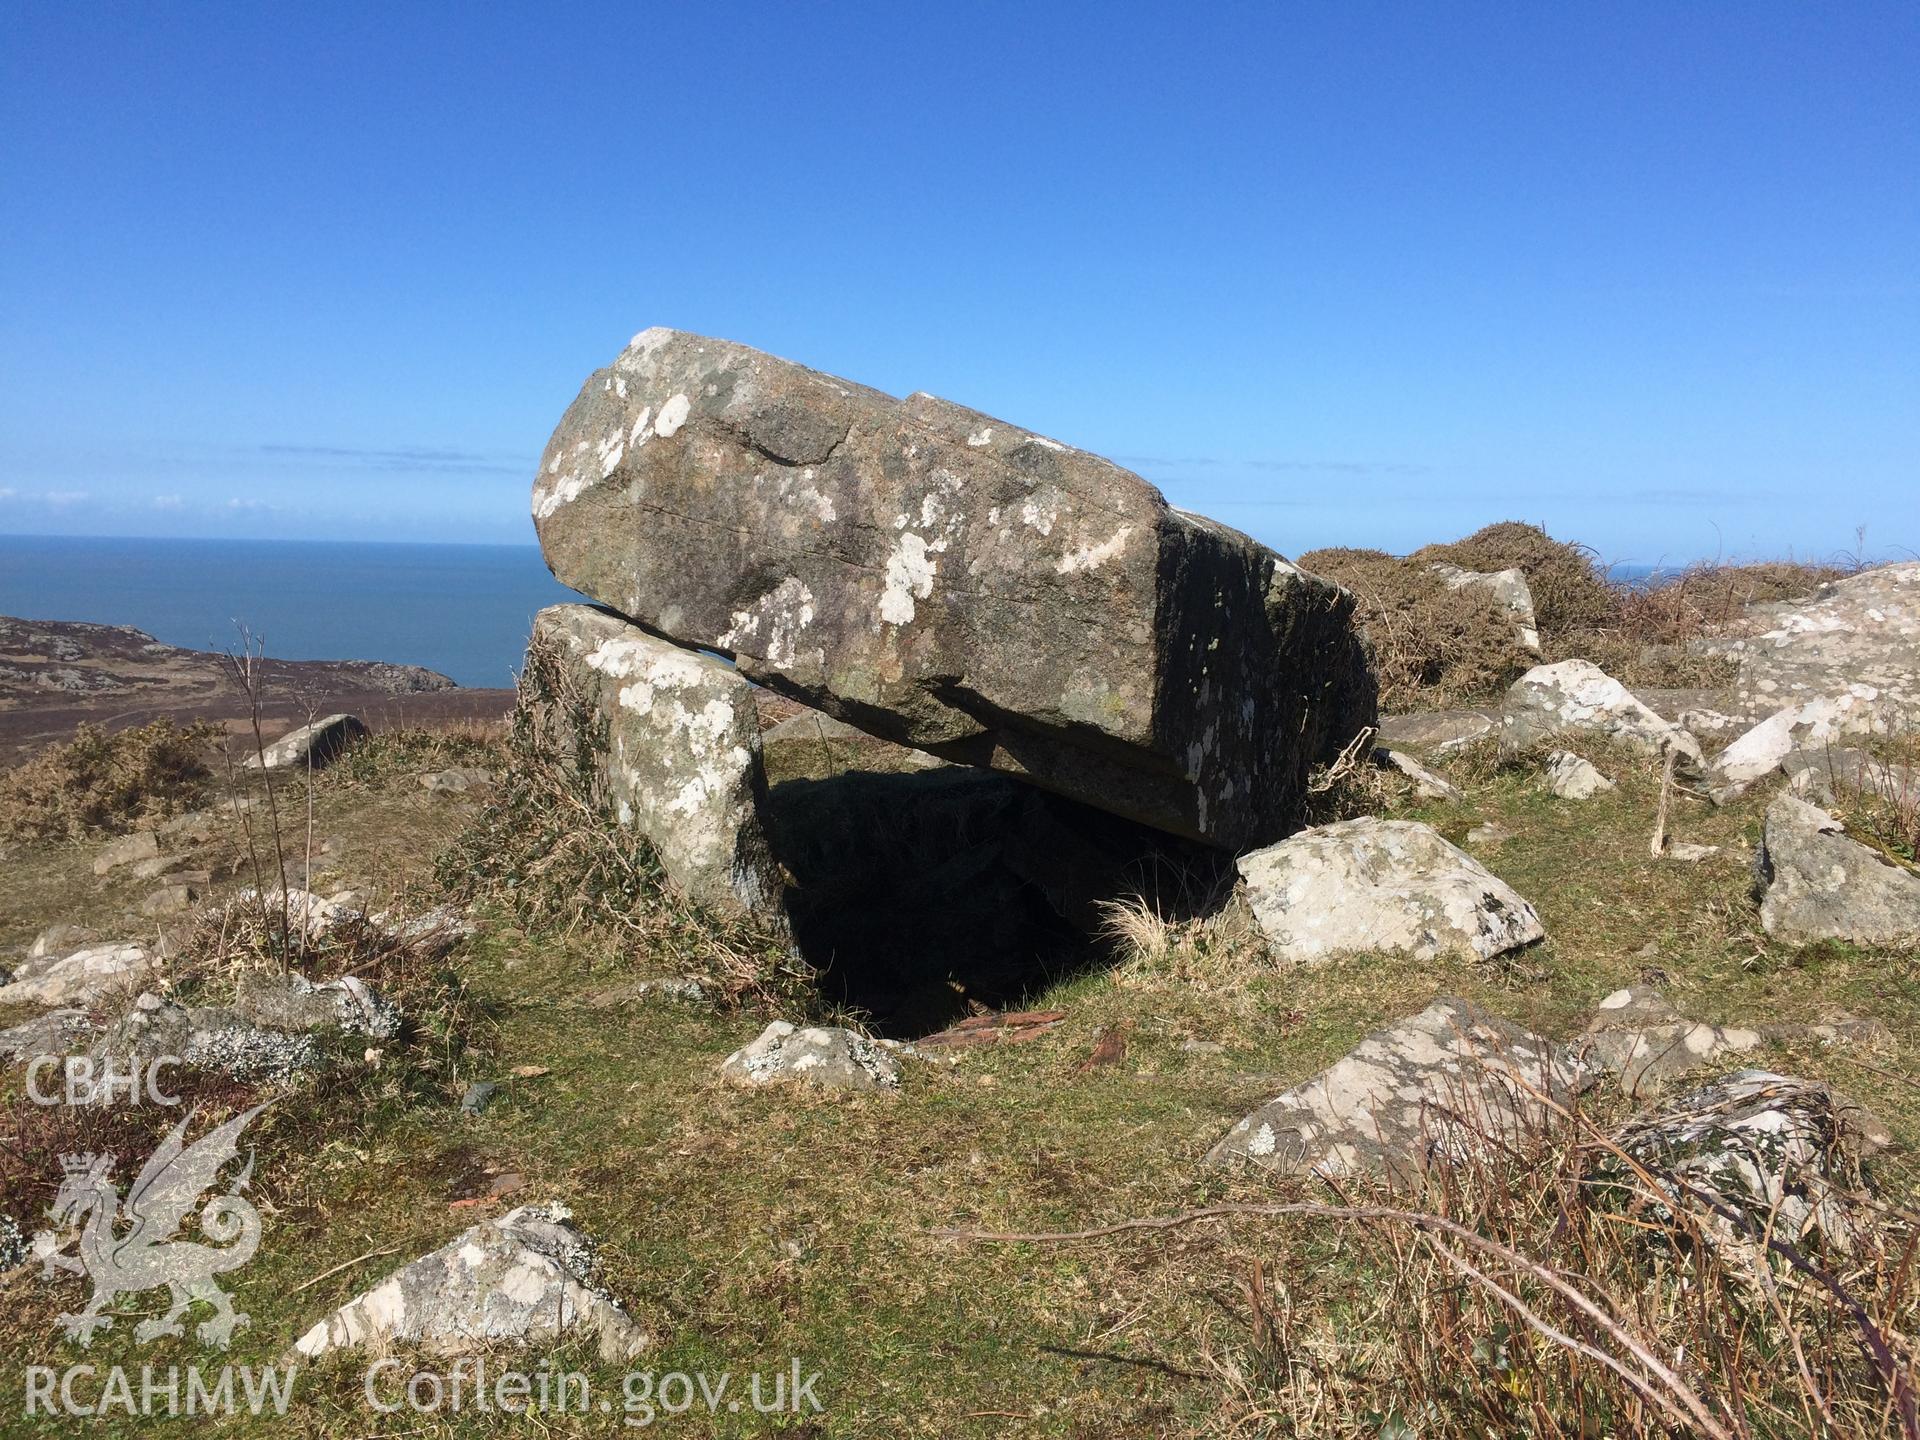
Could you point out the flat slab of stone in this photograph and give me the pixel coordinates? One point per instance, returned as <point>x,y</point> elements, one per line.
<point>1435,1086</point>
<point>680,758</point>
<point>1821,885</point>
<point>525,1278</point>
<point>1578,697</point>
<point>827,1057</point>
<point>1637,1035</point>
<point>315,744</point>
<point>81,977</point>
<point>1386,886</point>
<point>1425,782</point>
<point>955,583</point>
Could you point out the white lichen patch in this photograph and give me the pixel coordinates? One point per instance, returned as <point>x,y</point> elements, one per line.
<point>773,628</point>
<point>1039,515</point>
<point>910,571</point>
<point>548,499</point>
<point>1091,557</point>
<point>673,415</point>
<point>982,436</point>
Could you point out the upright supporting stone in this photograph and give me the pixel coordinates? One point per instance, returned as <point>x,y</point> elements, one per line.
<point>678,758</point>
<point>951,582</point>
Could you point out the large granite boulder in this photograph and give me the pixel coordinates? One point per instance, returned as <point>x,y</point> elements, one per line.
<point>1858,636</point>
<point>1448,1081</point>
<point>1393,887</point>
<point>954,583</point>
<point>1819,885</point>
<point>673,739</point>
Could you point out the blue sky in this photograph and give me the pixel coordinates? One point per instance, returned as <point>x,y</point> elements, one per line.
<point>1355,273</point>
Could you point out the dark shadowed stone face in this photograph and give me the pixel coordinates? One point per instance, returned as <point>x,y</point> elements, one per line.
<point>949,581</point>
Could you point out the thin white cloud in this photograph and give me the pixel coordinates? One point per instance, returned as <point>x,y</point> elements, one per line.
<point>167,502</point>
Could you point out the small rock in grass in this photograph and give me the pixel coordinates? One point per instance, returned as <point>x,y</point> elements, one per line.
<point>823,1056</point>
<point>1572,777</point>
<point>128,849</point>
<point>59,939</point>
<point>1688,853</point>
<point>169,900</point>
<point>457,781</point>
<point>525,1278</point>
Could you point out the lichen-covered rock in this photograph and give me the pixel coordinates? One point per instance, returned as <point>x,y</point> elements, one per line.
<point>1773,1149</point>
<point>57,1032</point>
<point>1578,697</point>
<point>954,583</point>
<point>1819,885</point>
<point>1431,1088</point>
<point>1858,636</point>
<point>526,1278</point>
<point>1573,777</point>
<point>1823,774</point>
<point>208,1038</point>
<point>1388,886</point>
<point>824,1056</point>
<point>317,744</point>
<point>1509,587</point>
<point>680,761</point>
<point>1766,747</point>
<point>82,977</point>
<point>1638,1036</point>
<point>347,1005</point>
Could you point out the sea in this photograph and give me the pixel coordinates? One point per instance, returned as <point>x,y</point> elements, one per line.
<point>463,610</point>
